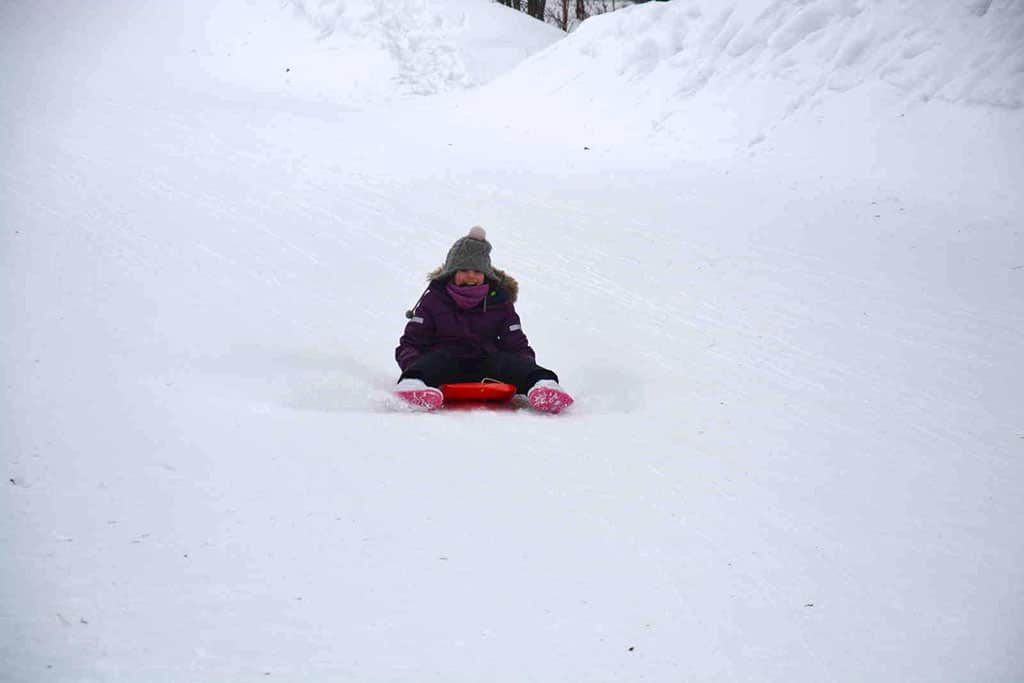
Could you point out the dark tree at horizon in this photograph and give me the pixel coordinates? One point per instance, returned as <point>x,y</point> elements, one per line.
<point>560,14</point>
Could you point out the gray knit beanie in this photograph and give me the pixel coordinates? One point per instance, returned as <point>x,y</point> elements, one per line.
<point>472,252</point>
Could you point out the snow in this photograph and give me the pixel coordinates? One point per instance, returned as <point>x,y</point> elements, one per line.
<point>774,250</point>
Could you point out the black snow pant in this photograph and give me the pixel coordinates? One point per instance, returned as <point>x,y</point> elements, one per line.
<point>440,367</point>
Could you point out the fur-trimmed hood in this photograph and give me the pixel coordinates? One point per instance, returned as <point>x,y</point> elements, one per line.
<point>505,282</point>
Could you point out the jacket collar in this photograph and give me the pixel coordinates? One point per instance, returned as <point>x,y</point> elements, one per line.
<point>507,287</point>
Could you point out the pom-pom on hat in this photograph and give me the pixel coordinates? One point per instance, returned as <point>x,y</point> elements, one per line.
<point>472,252</point>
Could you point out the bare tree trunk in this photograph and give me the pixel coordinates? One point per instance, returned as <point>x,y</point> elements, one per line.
<point>535,8</point>
<point>565,15</point>
<point>581,11</point>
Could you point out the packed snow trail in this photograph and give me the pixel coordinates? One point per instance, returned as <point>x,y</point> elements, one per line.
<point>794,455</point>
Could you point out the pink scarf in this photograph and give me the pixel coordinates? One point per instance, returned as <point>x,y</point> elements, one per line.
<point>468,297</point>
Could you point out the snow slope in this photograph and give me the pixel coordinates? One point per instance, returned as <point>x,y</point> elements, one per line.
<point>344,53</point>
<point>717,77</point>
<point>368,50</point>
<point>795,454</point>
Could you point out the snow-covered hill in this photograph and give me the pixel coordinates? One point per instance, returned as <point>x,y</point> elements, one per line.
<point>795,454</point>
<point>369,49</point>
<point>725,75</point>
<point>346,53</point>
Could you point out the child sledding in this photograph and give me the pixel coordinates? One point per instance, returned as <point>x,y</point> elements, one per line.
<point>465,329</point>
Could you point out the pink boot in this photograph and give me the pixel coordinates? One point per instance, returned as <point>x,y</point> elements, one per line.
<point>547,397</point>
<point>416,393</point>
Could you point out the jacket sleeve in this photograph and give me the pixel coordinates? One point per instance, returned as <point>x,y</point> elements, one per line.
<point>513,338</point>
<point>417,337</point>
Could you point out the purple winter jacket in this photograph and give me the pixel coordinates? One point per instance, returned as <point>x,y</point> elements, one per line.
<point>437,323</point>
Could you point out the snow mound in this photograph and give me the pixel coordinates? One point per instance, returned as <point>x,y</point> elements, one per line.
<point>368,50</point>
<point>346,53</point>
<point>729,71</point>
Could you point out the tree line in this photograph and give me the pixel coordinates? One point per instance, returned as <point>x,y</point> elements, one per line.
<point>565,14</point>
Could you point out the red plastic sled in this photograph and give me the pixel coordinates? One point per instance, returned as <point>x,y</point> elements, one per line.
<point>488,391</point>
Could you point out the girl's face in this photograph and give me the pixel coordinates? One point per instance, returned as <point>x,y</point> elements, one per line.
<point>468,278</point>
